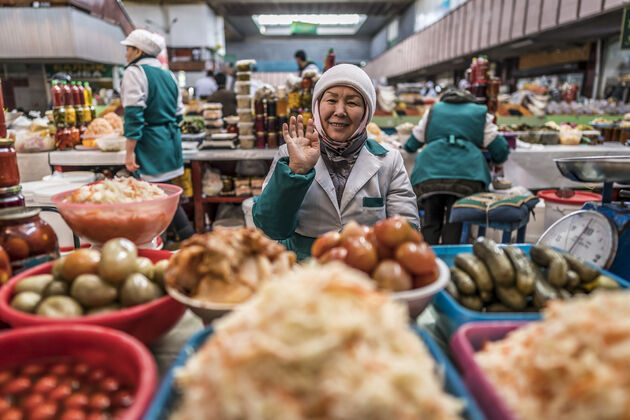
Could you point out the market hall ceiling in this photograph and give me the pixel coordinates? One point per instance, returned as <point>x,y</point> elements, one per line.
<point>237,13</point>
<point>229,8</point>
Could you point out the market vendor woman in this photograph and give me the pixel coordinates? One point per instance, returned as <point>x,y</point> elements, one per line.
<point>153,110</point>
<point>329,173</point>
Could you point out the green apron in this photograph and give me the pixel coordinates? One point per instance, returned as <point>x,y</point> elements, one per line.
<point>159,147</point>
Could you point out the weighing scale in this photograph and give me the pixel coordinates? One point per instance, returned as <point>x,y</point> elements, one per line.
<point>600,232</point>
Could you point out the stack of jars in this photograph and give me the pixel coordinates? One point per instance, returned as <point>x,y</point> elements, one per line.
<point>25,239</point>
<point>213,118</point>
<point>244,103</point>
<point>73,110</point>
<point>282,109</point>
<point>259,123</point>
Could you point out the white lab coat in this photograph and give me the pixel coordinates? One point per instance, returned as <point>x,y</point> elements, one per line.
<point>375,175</point>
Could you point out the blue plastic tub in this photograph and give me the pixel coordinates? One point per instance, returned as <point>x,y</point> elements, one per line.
<point>167,394</point>
<point>451,315</point>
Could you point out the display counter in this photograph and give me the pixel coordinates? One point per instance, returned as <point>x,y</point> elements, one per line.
<point>534,167</point>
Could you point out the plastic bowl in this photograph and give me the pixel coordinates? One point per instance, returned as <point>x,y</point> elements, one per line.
<point>418,299</point>
<point>121,354</point>
<point>167,395</point>
<point>207,311</point>
<point>451,315</point>
<point>146,322</point>
<point>139,222</point>
<point>465,343</point>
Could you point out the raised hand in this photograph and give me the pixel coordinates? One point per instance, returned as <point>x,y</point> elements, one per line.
<point>303,147</point>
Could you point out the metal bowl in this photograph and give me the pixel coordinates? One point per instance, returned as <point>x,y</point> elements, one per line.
<point>596,168</point>
<point>206,310</point>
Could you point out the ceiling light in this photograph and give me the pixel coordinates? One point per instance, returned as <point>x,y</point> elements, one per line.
<point>279,20</point>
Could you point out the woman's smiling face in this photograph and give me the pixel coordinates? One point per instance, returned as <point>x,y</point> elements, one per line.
<point>341,110</point>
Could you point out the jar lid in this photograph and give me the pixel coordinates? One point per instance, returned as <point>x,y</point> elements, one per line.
<point>17,213</point>
<point>577,199</point>
<point>6,142</point>
<point>10,190</point>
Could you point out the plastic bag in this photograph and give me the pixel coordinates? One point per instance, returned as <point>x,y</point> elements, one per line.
<point>251,168</point>
<point>211,183</point>
<point>34,141</point>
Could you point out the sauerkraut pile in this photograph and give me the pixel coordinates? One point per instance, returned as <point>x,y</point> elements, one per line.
<point>575,364</point>
<point>117,190</point>
<point>316,343</point>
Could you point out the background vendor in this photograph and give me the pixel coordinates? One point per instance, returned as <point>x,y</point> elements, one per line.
<point>153,110</point>
<point>329,173</point>
<point>451,165</point>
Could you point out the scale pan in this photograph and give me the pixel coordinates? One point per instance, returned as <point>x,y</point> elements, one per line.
<point>596,168</point>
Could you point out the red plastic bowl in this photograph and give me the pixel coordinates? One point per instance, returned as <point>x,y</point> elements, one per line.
<point>121,354</point>
<point>139,222</point>
<point>146,322</point>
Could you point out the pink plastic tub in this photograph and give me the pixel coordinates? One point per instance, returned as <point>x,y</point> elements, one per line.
<point>469,339</point>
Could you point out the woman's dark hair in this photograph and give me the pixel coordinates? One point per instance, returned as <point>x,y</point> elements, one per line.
<point>301,55</point>
<point>220,79</point>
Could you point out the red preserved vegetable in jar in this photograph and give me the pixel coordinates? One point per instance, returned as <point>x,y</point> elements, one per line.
<point>9,173</point>
<point>11,197</point>
<point>27,239</point>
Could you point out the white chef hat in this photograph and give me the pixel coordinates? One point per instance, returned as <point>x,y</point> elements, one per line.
<point>347,75</point>
<point>144,41</point>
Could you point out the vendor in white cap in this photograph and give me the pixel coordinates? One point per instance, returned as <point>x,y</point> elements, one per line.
<point>355,177</point>
<point>153,110</point>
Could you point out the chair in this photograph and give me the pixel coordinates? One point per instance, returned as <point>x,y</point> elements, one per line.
<point>497,211</point>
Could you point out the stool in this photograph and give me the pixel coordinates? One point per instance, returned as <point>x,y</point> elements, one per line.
<point>507,227</point>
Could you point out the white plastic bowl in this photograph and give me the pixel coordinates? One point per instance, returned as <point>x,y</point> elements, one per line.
<point>111,143</point>
<point>418,299</point>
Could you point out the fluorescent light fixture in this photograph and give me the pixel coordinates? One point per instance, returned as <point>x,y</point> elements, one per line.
<point>277,20</point>
<point>327,24</point>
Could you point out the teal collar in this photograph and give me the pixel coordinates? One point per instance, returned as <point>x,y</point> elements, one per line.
<point>375,148</point>
<point>139,58</point>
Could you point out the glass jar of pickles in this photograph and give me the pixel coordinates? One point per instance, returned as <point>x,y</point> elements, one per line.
<point>11,197</point>
<point>9,172</point>
<point>27,239</point>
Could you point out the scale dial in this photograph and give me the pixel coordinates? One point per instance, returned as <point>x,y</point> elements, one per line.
<point>585,234</point>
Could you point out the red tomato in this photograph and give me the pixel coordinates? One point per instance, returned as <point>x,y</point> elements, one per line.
<point>122,398</point>
<point>60,369</point>
<point>422,280</point>
<point>353,229</point>
<point>417,237</point>
<point>96,375</point>
<point>31,401</point>
<point>73,414</point>
<point>4,405</point>
<point>77,400</point>
<point>99,401</point>
<point>45,384</point>
<point>361,254</point>
<point>5,376</point>
<point>46,411</point>
<point>334,254</point>
<point>61,392</point>
<point>12,414</point>
<point>324,243</point>
<point>17,248</point>
<point>416,258</point>
<point>394,231</point>
<point>81,369</point>
<point>110,384</point>
<point>96,415</point>
<point>389,275</point>
<point>32,369</point>
<point>73,383</point>
<point>384,252</point>
<point>16,386</point>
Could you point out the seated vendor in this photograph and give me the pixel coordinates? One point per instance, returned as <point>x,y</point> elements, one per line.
<point>451,164</point>
<point>355,178</point>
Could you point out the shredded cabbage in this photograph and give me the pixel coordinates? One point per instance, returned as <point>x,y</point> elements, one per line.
<point>317,343</point>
